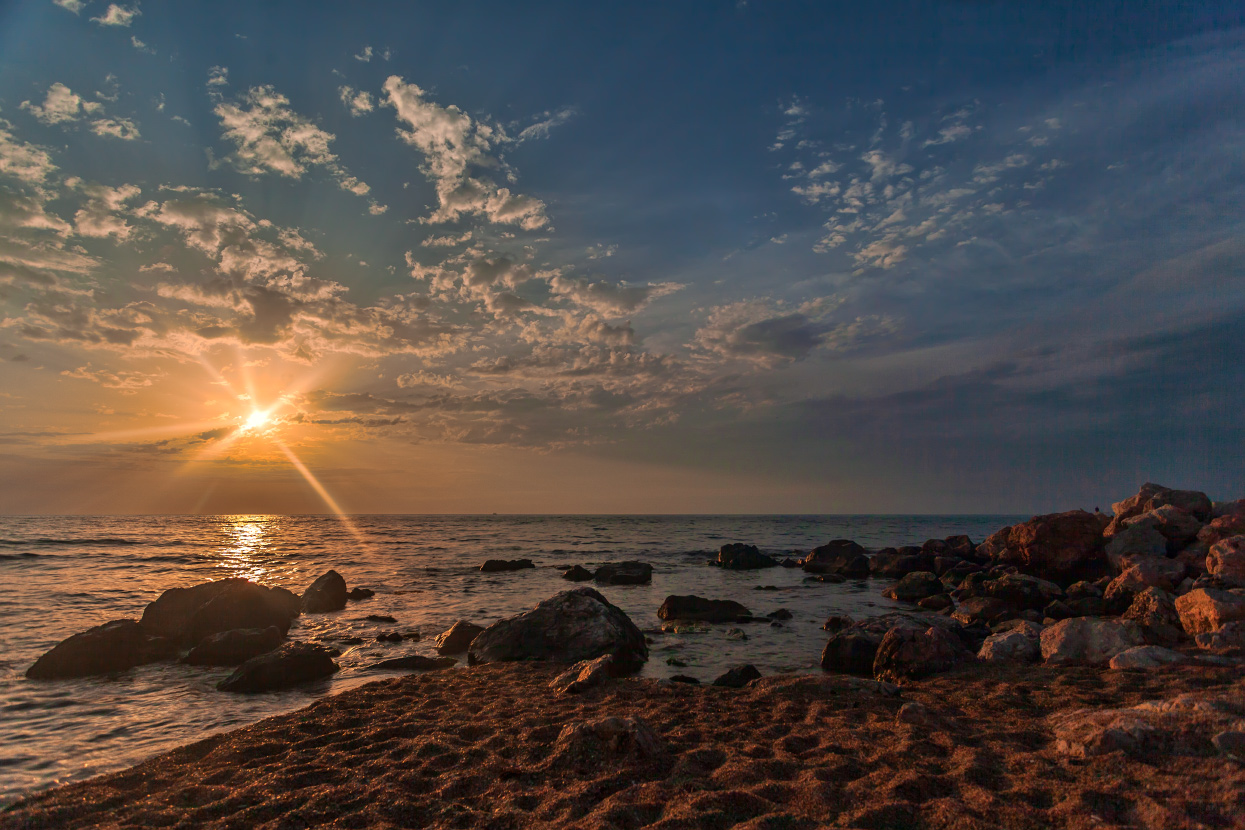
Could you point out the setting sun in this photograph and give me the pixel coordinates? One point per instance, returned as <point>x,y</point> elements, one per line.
<point>256,420</point>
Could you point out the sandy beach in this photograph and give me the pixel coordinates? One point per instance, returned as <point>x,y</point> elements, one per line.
<point>493,746</point>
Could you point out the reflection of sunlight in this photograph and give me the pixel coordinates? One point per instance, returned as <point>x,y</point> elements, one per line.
<point>247,542</point>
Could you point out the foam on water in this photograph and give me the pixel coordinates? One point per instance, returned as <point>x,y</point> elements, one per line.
<point>63,575</point>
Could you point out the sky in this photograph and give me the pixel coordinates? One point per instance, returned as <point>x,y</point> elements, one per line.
<point>703,257</point>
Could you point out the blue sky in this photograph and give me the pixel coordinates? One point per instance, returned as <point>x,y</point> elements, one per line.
<point>960,256</point>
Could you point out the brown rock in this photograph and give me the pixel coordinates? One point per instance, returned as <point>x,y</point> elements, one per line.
<point>1208,609</point>
<point>1155,611</point>
<point>909,654</point>
<point>1054,544</point>
<point>981,609</point>
<point>1226,559</point>
<point>1088,640</point>
<point>1152,572</point>
<point>1177,526</point>
<point>1230,639</point>
<point>1223,527</point>
<point>583,675</point>
<point>458,637</point>
<point>842,556</point>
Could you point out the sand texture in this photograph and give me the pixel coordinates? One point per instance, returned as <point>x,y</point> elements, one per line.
<point>486,747</point>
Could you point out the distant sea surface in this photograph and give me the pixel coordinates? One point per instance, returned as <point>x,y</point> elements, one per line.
<point>61,575</point>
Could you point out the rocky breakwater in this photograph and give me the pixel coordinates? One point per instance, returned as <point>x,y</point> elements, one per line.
<point>225,622</point>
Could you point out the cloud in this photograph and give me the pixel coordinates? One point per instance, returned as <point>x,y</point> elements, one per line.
<point>74,6</point>
<point>20,160</point>
<point>100,216</point>
<point>368,53</point>
<point>126,382</point>
<point>456,150</point>
<point>122,128</point>
<point>269,137</point>
<point>118,15</point>
<point>550,120</point>
<point>772,335</point>
<point>610,299</point>
<point>27,212</point>
<point>357,101</point>
<point>61,105</point>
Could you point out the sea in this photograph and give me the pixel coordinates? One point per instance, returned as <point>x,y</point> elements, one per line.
<point>61,575</point>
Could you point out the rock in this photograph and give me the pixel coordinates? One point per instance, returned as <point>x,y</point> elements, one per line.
<point>360,593</point>
<point>737,557</point>
<point>676,662</point>
<point>1146,657</point>
<point>961,546</point>
<point>915,586</point>
<point>381,618</point>
<point>1086,607</point>
<point>112,647</point>
<point>230,648</point>
<point>1081,589</point>
<point>574,625</point>
<point>1230,639</point>
<point>780,614</point>
<point>1194,560</point>
<point>1178,527</point>
<point>699,608</point>
<point>1231,743</point>
<point>458,637</point>
<point>578,573</point>
<point>416,662</point>
<point>327,593</point>
<point>981,609</point>
<point>920,715</point>
<point>1088,640</point>
<point>1029,628</point>
<point>1057,544</point>
<point>837,622</point>
<point>684,678</point>
<point>842,557</point>
<point>736,634</point>
<point>1139,540</point>
<point>1152,496</point>
<point>737,677</point>
<point>938,602</point>
<point>1226,559</point>
<point>624,573</point>
<point>389,637</point>
<point>1059,610</point>
<point>1023,591</point>
<point>501,565</point>
<point>896,564</point>
<point>1149,572</point>
<point>1011,646</point>
<point>583,675</point>
<point>606,744</point>
<point>187,615</point>
<point>851,651</point>
<point>286,666</point>
<point>907,654</point>
<point>1155,611</point>
<point>1207,609</point>
<point>1182,725</point>
<point>1223,527</point>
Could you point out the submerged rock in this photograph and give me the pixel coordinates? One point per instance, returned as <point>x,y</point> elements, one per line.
<point>502,565</point>
<point>698,608</point>
<point>458,637</point>
<point>289,665</point>
<point>577,573</point>
<point>624,573</point>
<point>229,648</point>
<point>739,557</point>
<point>327,593</point>
<point>360,593</point>
<point>574,625</point>
<point>112,647</point>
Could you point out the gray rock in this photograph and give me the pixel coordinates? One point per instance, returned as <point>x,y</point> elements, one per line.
<point>1147,572</point>
<point>624,573</point>
<point>112,647</point>
<point>607,743</point>
<point>1023,591</point>
<point>1088,640</point>
<point>1010,646</point>
<point>1177,526</point>
<point>230,648</point>
<point>1226,560</point>
<point>1229,639</point>
<point>457,638</point>
<point>1155,611</point>
<point>981,609</point>
<point>1146,657</point>
<point>698,608</point>
<point>289,665</point>
<point>574,625</point>
<point>327,593</point>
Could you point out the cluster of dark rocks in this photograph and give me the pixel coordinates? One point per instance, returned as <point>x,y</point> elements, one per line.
<point>229,622</point>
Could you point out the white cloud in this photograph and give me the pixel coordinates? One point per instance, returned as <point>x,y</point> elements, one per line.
<point>126,382</point>
<point>549,120</point>
<point>74,6</point>
<point>366,55</point>
<point>61,105</point>
<point>357,101</point>
<point>122,128</point>
<point>453,145</point>
<point>118,15</point>
<point>20,160</point>
<point>101,215</point>
<point>607,298</point>
<point>140,46</point>
<point>446,241</point>
<point>947,135</point>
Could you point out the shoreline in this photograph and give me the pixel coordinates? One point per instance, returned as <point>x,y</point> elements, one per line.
<point>487,746</point>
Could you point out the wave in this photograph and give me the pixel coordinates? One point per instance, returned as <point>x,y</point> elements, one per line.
<point>23,555</point>
<point>50,542</point>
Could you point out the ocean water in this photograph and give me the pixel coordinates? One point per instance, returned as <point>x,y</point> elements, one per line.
<point>62,575</point>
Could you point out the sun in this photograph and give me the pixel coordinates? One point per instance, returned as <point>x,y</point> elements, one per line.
<point>256,420</point>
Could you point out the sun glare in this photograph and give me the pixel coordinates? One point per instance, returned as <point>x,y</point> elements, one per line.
<point>256,420</point>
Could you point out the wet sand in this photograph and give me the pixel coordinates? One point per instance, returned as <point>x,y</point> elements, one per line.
<point>481,748</point>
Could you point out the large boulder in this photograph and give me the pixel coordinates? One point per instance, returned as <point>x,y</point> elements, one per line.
<point>1151,572</point>
<point>1010,646</point>
<point>739,557</point>
<point>1155,611</point>
<point>574,625</point>
<point>890,563</point>
<point>1229,521</point>
<point>624,573</point>
<point>851,651</point>
<point>1177,526</point>
<point>188,615</point>
<point>907,654</point>
<point>327,593</point>
<point>502,565</point>
<point>286,666</point>
<point>982,610</point>
<point>1023,591</point>
<point>1152,496</point>
<point>1054,545</point>
<point>1207,609</point>
<point>915,586</point>
<point>1132,543</point>
<point>1088,640</point>
<point>841,556</point>
<point>458,637</point>
<point>230,648</point>
<point>112,647</point>
<point>1226,559</point>
<point>698,608</point>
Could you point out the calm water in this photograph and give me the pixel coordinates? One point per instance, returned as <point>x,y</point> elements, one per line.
<point>62,575</point>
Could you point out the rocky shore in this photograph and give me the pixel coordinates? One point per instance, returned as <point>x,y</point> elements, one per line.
<point>1074,670</point>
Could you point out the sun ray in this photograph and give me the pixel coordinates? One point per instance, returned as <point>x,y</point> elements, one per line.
<point>321,490</point>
